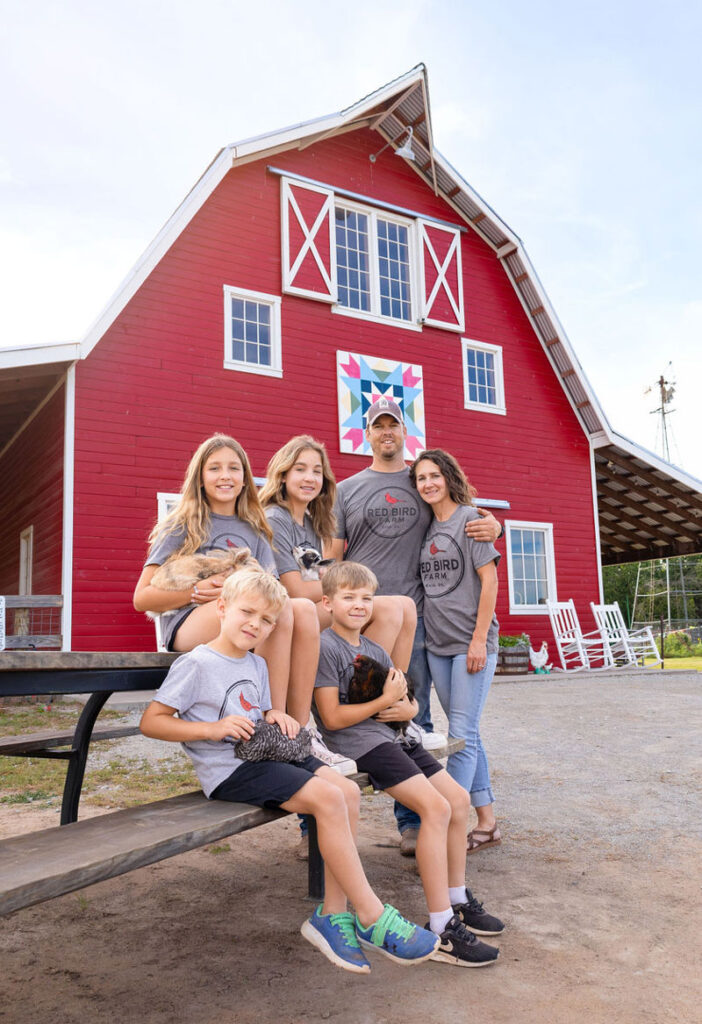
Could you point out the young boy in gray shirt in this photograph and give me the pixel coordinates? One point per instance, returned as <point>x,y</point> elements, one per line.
<point>407,771</point>
<point>218,691</point>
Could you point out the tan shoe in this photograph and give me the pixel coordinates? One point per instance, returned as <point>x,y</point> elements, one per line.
<point>408,842</point>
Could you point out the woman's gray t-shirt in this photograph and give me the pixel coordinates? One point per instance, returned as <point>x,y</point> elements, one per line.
<point>204,686</point>
<point>287,534</point>
<point>225,533</point>
<point>448,563</point>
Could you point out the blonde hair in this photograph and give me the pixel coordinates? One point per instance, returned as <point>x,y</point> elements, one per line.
<point>348,574</point>
<point>192,513</point>
<point>254,581</point>
<point>321,508</point>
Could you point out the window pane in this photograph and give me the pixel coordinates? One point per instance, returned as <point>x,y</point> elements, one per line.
<point>238,350</point>
<point>353,278</point>
<point>251,331</point>
<point>251,353</point>
<point>238,329</point>
<point>237,308</point>
<point>393,270</point>
<point>264,355</point>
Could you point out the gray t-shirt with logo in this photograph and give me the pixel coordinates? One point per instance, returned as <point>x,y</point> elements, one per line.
<point>384,521</point>
<point>336,657</point>
<point>287,534</point>
<point>448,564</point>
<point>225,533</point>
<point>204,686</point>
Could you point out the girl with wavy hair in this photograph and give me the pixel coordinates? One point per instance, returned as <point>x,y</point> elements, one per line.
<point>219,510</point>
<point>298,499</point>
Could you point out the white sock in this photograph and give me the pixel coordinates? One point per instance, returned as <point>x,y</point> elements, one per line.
<point>457,894</point>
<point>438,922</point>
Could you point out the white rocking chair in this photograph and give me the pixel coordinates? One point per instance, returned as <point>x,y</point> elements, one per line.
<point>576,650</point>
<point>627,648</point>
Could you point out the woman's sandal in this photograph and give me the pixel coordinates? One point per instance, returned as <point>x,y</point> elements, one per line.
<point>476,842</point>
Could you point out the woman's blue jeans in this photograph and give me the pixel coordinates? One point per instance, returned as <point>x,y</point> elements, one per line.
<point>462,695</point>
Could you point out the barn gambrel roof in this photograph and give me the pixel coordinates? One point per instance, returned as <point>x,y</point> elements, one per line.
<point>647,507</point>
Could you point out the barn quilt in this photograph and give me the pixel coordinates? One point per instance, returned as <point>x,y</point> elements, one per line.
<point>361,380</point>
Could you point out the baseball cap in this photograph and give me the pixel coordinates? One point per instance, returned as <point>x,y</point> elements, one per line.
<point>384,407</point>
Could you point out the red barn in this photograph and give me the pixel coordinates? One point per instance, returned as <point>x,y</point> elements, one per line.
<point>305,273</point>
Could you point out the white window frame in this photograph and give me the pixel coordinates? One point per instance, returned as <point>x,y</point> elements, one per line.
<point>166,501</point>
<point>374,314</point>
<point>26,561</point>
<point>500,407</point>
<point>274,302</point>
<point>547,529</point>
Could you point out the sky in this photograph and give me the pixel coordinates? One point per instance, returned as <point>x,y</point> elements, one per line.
<point>581,125</point>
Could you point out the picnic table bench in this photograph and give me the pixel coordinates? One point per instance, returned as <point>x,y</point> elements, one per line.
<point>41,865</point>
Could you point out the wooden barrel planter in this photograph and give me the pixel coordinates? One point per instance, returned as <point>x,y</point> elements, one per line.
<point>512,661</point>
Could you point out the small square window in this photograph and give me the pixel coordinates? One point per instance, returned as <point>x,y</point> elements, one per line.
<point>483,382</point>
<point>252,332</point>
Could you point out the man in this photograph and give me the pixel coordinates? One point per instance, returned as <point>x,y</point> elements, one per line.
<point>382,521</point>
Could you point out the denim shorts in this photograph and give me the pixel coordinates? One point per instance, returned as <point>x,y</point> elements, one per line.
<point>266,783</point>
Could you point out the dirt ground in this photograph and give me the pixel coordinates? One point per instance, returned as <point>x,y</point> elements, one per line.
<point>598,878</point>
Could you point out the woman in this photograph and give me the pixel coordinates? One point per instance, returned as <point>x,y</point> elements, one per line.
<point>298,499</point>
<point>459,577</point>
<point>218,510</point>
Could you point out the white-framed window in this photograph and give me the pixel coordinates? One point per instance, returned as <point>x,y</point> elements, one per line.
<point>531,567</point>
<point>483,379</point>
<point>166,502</point>
<point>375,265</point>
<point>252,332</point>
<point>26,560</point>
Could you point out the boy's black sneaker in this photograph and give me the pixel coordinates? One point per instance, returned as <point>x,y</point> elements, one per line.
<point>478,920</point>
<point>463,949</point>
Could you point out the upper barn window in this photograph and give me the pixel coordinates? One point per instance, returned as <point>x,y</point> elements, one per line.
<point>368,261</point>
<point>483,380</point>
<point>252,332</point>
<point>374,260</point>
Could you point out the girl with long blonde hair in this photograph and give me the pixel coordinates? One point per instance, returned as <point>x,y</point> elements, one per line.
<point>298,500</point>
<point>219,509</point>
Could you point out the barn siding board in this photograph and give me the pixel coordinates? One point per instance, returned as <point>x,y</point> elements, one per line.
<point>31,471</point>
<point>155,385</point>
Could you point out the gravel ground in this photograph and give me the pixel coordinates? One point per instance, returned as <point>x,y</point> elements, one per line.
<point>598,877</point>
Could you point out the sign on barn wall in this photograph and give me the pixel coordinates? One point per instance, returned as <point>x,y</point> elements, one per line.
<point>361,380</point>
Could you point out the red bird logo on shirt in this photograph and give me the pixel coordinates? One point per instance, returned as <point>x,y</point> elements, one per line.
<point>245,704</point>
<point>433,550</point>
<point>390,500</point>
<point>231,544</point>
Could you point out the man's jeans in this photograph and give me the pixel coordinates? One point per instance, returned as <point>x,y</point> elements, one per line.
<point>421,678</point>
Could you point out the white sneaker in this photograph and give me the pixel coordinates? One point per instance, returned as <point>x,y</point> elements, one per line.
<point>341,764</point>
<point>429,740</point>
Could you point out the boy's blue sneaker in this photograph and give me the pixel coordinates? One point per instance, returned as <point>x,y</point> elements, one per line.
<point>335,936</point>
<point>397,938</point>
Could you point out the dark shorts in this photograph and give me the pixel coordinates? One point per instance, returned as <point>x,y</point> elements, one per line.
<point>388,764</point>
<point>266,783</point>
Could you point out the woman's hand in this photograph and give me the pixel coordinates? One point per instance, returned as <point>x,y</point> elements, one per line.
<point>402,710</point>
<point>289,726</point>
<point>395,687</point>
<point>476,658</point>
<point>208,589</point>
<point>235,727</point>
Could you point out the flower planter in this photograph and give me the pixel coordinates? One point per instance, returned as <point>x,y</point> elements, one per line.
<point>512,661</point>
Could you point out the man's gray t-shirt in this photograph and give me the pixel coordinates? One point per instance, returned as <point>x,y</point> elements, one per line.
<point>204,686</point>
<point>336,657</point>
<point>448,564</point>
<point>384,521</point>
<point>287,534</point>
<point>225,533</point>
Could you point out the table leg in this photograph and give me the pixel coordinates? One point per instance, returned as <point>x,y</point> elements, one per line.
<point>315,864</point>
<point>79,755</point>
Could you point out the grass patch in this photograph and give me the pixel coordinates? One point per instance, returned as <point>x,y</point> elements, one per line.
<point>222,848</point>
<point>18,719</point>
<point>120,783</point>
<point>691,664</point>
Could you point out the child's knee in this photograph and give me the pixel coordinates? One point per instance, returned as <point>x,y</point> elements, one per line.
<point>460,802</point>
<point>352,796</point>
<point>409,611</point>
<point>437,811</point>
<point>328,801</point>
<point>305,615</point>
<point>284,622</point>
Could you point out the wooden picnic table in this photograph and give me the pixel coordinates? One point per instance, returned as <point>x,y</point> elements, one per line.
<point>26,673</point>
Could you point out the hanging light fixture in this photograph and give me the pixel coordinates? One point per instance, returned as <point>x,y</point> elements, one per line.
<point>405,150</point>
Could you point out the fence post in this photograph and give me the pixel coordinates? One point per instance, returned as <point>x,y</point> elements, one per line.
<point>662,644</point>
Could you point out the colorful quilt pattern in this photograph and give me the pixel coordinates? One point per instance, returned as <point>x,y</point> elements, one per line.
<point>361,380</point>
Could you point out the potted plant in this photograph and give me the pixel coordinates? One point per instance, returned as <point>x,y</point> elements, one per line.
<point>513,654</point>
